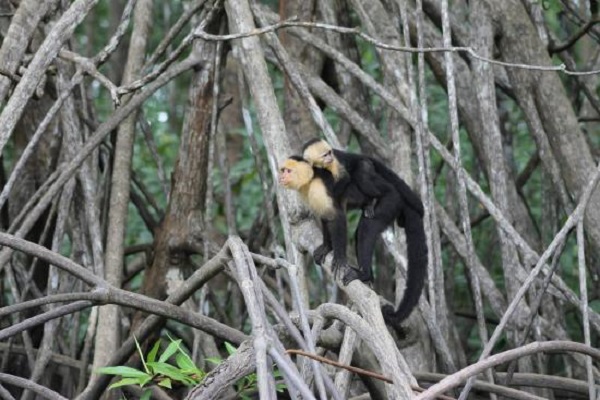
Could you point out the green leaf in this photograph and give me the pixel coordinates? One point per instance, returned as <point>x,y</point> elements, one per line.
<point>125,382</point>
<point>170,371</point>
<point>170,350</point>
<point>125,372</point>
<point>280,387</point>
<point>184,362</point>
<point>141,354</point>
<point>146,380</point>
<point>230,349</point>
<point>252,379</point>
<point>153,352</point>
<point>185,353</point>
<point>146,395</point>
<point>165,383</point>
<point>214,360</point>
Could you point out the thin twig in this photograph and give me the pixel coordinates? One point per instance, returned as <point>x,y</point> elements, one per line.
<point>350,368</point>
<point>585,28</point>
<point>356,31</point>
<point>174,31</point>
<point>143,81</point>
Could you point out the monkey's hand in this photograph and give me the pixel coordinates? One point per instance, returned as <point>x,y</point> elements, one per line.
<point>337,265</point>
<point>369,210</point>
<point>320,253</point>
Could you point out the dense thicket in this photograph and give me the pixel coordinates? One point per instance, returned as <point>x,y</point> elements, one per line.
<point>140,143</point>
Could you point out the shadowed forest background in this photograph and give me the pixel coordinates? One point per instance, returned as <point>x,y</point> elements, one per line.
<point>140,144</point>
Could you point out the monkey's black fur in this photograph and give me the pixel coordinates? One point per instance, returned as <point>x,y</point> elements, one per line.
<point>368,179</point>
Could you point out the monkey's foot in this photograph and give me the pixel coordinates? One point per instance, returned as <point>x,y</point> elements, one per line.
<point>320,253</point>
<point>355,273</point>
<point>352,273</point>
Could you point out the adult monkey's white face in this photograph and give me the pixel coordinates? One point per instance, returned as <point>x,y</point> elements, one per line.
<point>294,174</point>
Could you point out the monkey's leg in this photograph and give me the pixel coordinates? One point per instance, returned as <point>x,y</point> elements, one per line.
<point>368,231</point>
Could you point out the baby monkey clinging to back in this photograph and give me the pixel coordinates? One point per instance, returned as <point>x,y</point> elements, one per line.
<point>385,197</point>
<point>315,186</point>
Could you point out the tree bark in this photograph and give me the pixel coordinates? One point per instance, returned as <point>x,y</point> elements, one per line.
<point>181,231</point>
<point>14,44</point>
<point>108,340</point>
<point>61,32</point>
<point>519,43</point>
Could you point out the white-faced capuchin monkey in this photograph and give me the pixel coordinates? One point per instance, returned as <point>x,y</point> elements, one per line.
<point>315,186</point>
<point>395,200</point>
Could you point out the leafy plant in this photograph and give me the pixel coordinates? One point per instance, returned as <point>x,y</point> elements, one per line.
<point>162,373</point>
<point>158,371</point>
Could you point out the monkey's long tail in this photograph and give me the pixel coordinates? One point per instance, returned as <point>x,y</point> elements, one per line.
<point>416,243</point>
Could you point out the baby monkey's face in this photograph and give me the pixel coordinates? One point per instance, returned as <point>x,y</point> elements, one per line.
<point>319,154</point>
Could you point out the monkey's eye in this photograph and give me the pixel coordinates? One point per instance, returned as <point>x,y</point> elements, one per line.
<point>327,153</point>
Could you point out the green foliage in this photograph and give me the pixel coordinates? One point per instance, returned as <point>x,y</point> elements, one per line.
<point>184,372</point>
<point>159,372</point>
<point>246,187</point>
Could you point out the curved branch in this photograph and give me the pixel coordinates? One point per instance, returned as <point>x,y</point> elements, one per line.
<point>29,385</point>
<point>45,317</point>
<point>555,346</point>
<point>107,294</point>
<point>519,379</point>
<point>56,298</point>
<point>424,376</point>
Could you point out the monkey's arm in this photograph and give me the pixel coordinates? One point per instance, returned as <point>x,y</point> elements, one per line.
<point>338,231</point>
<point>321,252</point>
<point>334,238</point>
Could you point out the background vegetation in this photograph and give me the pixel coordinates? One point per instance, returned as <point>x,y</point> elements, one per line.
<point>140,142</point>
